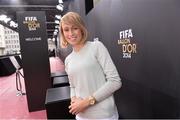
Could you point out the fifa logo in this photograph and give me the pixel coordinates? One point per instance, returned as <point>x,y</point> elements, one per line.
<point>32,23</point>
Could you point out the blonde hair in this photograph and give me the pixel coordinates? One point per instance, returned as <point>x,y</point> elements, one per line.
<point>75,19</point>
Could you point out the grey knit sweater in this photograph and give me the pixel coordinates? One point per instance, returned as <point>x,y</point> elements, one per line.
<point>91,71</point>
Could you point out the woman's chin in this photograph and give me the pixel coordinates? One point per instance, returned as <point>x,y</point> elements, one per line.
<point>73,43</point>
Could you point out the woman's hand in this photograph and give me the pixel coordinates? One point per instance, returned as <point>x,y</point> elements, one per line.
<point>73,99</point>
<point>78,105</point>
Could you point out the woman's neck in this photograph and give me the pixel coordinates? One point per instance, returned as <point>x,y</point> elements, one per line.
<point>77,48</point>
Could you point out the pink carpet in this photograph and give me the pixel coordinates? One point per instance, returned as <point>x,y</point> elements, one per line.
<point>15,107</point>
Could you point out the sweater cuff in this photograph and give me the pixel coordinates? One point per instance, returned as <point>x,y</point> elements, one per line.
<point>72,92</point>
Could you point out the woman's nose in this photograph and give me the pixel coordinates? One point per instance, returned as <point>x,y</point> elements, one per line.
<point>71,32</point>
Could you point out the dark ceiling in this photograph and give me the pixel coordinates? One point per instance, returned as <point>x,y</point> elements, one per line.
<point>10,7</point>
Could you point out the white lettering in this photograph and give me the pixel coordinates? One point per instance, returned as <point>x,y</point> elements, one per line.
<point>125,34</point>
<point>30,19</point>
<point>126,55</point>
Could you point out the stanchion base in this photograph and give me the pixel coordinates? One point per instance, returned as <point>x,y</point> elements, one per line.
<point>19,93</point>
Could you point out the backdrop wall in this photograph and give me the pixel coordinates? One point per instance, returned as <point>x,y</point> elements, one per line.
<point>143,40</point>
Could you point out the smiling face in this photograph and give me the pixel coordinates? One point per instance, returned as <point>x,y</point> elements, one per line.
<point>72,33</point>
<point>72,30</point>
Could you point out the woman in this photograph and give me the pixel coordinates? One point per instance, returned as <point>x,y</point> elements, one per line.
<point>92,74</point>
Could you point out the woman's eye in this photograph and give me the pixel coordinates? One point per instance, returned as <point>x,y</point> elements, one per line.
<point>66,30</point>
<point>75,28</point>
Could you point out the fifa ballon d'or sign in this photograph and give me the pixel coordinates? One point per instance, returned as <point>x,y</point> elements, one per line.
<point>128,48</point>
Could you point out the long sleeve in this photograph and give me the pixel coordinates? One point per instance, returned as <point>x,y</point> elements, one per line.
<point>72,87</point>
<point>113,82</point>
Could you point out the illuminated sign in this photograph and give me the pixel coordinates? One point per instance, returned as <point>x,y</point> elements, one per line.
<point>32,23</point>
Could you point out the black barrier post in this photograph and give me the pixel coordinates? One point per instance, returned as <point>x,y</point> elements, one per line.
<point>34,51</point>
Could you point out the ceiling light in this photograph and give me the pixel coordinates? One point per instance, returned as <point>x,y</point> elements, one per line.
<point>13,24</point>
<point>58,16</point>
<point>55,33</point>
<point>60,1</point>
<point>60,7</point>
<point>57,26</point>
<point>56,21</point>
<point>7,20</point>
<point>3,17</point>
<point>56,30</point>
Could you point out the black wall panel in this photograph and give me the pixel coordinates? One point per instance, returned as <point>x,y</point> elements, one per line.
<point>150,77</point>
<point>151,86</point>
